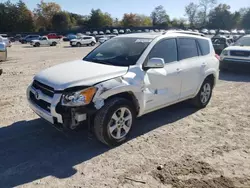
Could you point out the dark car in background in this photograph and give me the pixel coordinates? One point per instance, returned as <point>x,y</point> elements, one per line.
<point>221,42</point>
<point>29,38</point>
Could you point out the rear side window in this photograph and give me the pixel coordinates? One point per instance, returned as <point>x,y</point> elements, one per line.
<point>187,48</point>
<point>166,50</point>
<point>204,46</point>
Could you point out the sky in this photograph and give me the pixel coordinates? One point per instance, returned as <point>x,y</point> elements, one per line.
<point>174,8</point>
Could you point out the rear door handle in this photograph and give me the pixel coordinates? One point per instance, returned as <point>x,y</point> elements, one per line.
<point>204,64</point>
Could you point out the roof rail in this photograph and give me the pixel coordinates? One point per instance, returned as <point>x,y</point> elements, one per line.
<point>184,32</point>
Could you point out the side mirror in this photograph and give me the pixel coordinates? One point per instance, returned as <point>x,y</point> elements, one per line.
<point>154,63</point>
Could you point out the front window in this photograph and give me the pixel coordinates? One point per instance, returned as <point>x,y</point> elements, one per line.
<point>119,51</point>
<point>244,41</point>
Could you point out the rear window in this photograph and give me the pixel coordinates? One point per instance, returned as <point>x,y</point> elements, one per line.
<point>187,48</point>
<point>204,46</point>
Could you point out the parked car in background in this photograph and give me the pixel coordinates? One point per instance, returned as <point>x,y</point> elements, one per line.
<point>101,33</point>
<point>54,36</point>
<point>128,31</point>
<point>121,31</point>
<point>17,37</point>
<point>29,38</point>
<point>234,31</point>
<point>69,37</point>
<point>106,38</point>
<point>237,56</point>
<point>6,41</point>
<point>204,31</point>
<point>115,31</point>
<point>83,41</point>
<point>146,30</point>
<point>212,32</point>
<point>242,32</point>
<point>125,78</point>
<point>88,33</point>
<point>221,42</point>
<point>44,41</point>
<point>108,31</point>
<point>195,30</point>
<point>3,52</point>
<point>95,32</point>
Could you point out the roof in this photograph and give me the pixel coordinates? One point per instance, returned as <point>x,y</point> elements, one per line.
<point>165,33</point>
<point>141,35</point>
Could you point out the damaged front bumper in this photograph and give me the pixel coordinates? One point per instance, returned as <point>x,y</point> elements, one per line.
<point>50,109</point>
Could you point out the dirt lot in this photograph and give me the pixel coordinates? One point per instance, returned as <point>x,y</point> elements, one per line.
<point>206,148</point>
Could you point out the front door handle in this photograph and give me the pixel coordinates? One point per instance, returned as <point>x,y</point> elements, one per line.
<point>178,70</point>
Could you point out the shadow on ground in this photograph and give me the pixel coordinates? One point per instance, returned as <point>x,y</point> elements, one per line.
<point>31,150</point>
<point>234,77</point>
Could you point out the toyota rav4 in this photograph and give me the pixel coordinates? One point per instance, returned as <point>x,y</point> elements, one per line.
<point>124,78</point>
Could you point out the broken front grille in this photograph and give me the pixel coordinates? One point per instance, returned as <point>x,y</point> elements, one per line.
<point>47,90</point>
<point>41,103</point>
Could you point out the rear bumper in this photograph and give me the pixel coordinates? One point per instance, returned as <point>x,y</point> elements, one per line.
<point>235,64</point>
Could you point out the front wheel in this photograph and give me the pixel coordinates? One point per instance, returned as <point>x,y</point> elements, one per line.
<point>54,43</point>
<point>37,44</point>
<point>78,44</point>
<point>92,44</point>
<point>113,122</point>
<point>202,99</point>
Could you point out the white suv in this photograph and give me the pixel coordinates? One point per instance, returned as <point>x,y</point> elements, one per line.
<point>237,56</point>
<point>124,78</point>
<point>84,40</point>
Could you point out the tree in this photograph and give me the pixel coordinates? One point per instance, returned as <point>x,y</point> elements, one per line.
<point>160,17</point>
<point>61,21</point>
<point>245,20</point>
<point>143,20</point>
<point>221,17</point>
<point>191,12</point>
<point>99,19</point>
<point>44,13</point>
<point>136,20</point>
<point>206,6</point>
<point>25,18</point>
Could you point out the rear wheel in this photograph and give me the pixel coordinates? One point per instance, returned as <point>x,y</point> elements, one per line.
<point>92,44</point>
<point>54,43</point>
<point>203,97</point>
<point>113,122</point>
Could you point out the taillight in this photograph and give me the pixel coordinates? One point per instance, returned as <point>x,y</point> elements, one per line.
<point>217,56</point>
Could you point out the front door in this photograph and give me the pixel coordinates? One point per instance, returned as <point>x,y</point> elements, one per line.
<point>163,86</point>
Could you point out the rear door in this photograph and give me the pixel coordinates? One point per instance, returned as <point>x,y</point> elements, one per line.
<point>191,65</point>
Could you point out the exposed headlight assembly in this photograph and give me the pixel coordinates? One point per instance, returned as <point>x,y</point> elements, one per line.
<point>79,98</point>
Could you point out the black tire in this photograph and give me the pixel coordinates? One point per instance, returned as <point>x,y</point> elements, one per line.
<point>92,44</point>
<point>54,43</point>
<point>103,117</point>
<point>37,44</point>
<point>197,101</point>
<point>78,44</point>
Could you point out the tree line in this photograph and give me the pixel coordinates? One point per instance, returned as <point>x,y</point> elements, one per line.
<point>48,16</point>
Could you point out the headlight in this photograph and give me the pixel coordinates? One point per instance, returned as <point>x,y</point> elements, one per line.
<point>225,52</point>
<point>79,98</point>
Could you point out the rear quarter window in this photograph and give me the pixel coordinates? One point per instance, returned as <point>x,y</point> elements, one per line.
<point>204,46</point>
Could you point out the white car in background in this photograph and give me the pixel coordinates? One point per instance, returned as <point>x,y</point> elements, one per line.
<point>237,56</point>
<point>44,41</point>
<point>82,41</point>
<point>212,32</point>
<point>106,38</point>
<point>126,77</point>
<point>3,52</point>
<point>6,41</point>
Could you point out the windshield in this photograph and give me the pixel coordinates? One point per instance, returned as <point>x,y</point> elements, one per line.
<point>119,51</point>
<point>244,41</point>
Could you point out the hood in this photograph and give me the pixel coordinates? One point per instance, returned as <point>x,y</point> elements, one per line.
<point>78,73</point>
<point>73,40</point>
<point>34,40</point>
<point>243,48</point>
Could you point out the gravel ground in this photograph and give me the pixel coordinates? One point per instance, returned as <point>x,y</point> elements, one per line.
<point>174,147</point>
